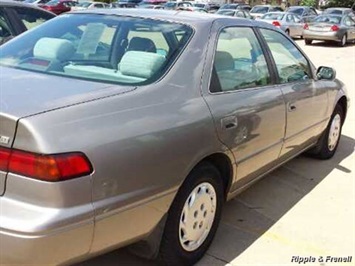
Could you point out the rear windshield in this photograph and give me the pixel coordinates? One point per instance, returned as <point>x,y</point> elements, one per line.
<point>101,48</point>
<point>297,11</point>
<point>328,19</point>
<point>273,16</point>
<point>259,9</point>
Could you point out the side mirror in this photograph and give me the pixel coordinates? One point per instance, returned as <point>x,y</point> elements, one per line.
<point>327,73</point>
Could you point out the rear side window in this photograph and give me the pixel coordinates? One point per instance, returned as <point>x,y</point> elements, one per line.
<point>291,65</point>
<point>32,17</point>
<point>239,62</point>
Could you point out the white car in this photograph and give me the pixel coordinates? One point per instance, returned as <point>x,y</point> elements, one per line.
<point>89,5</point>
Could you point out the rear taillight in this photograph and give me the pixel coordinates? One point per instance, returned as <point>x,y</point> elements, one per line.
<point>305,26</point>
<point>276,24</point>
<point>52,168</point>
<point>334,28</point>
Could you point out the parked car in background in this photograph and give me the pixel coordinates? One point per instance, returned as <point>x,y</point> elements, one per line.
<point>339,11</point>
<point>149,6</point>
<point>17,17</point>
<point>234,13</point>
<point>236,6</point>
<point>259,10</point>
<point>108,143</point>
<point>305,12</point>
<point>153,2</point>
<point>89,5</point>
<point>340,29</point>
<point>174,5</point>
<point>129,3</point>
<point>290,23</point>
<point>59,6</point>
<point>36,2</point>
<point>209,7</point>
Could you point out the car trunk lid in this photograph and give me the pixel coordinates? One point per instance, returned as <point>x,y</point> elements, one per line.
<point>24,93</point>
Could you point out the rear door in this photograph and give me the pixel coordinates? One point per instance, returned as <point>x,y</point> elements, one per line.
<point>306,98</point>
<point>247,108</point>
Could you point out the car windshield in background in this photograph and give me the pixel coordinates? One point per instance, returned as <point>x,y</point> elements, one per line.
<point>199,5</point>
<point>226,12</point>
<point>84,4</point>
<point>259,9</point>
<point>272,16</point>
<point>229,6</point>
<point>328,19</point>
<point>101,48</point>
<point>297,11</point>
<point>53,3</point>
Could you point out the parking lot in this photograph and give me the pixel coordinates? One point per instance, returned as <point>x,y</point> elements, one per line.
<point>303,210</point>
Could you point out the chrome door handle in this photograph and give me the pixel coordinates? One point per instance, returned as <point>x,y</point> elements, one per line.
<point>291,107</point>
<point>229,122</point>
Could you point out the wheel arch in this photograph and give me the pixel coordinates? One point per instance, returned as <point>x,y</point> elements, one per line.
<point>225,167</point>
<point>343,102</point>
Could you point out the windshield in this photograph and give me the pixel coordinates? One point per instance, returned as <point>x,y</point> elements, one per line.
<point>229,6</point>
<point>171,4</point>
<point>297,11</point>
<point>259,9</point>
<point>334,11</point>
<point>200,5</point>
<point>53,3</point>
<point>226,12</point>
<point>328,19</point>
<point>273,16</point>
<point>100,48</point>
<point>84,4</point>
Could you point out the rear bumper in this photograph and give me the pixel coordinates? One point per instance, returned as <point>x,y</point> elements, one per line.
<point>43,225</point>
<point>322,36</point>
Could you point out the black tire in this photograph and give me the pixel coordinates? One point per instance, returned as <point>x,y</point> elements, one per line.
<point>322,150</point>
<point>343,41</point>
<point>172,251</point>
<point>308,41</point>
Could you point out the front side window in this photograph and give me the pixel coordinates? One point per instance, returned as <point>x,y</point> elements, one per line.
<point>100,48</point>
<point>291,64</point>
<point>32,17</point>
<point>239,61</point>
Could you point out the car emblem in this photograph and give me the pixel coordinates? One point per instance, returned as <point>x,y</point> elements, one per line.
<point>4,139</point>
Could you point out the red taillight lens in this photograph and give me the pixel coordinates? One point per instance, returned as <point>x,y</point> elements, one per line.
<point>52,168</point>
<point>334,28</point>
<point>305,26</point>
<point>276,24</point>
<point>4,159</point>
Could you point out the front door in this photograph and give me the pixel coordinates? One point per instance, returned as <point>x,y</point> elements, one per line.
<point>306,98</point>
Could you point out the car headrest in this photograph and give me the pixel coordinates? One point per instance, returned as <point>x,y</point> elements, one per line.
<point>142,44</point>
<point>223,61</point>
<point>53,49</point>
<point>141,64</point>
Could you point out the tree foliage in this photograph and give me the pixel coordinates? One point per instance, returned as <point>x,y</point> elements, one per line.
<point>309,3</point>
<point>340,3</point>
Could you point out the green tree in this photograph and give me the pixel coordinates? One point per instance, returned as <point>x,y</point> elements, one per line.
<point>309,3</point>
<point>340,3</point>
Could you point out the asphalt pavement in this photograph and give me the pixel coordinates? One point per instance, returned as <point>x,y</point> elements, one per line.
<point>301,214</point>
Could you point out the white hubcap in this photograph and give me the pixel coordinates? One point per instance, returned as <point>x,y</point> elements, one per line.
<point>197,216</point>
<point>334,132</point>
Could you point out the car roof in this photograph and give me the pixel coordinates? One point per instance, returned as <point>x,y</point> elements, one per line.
<point>179,16</point>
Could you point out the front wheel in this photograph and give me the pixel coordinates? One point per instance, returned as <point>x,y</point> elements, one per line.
<point>329,141</point>
<point>308,41</point>
<point>193,217</point>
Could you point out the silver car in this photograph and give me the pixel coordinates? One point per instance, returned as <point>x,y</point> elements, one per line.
<point>122,127</point>
<point>339,29</point>
<point>290,23</point>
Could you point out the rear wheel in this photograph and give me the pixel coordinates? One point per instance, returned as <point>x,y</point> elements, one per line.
<point>343,40</point>
<point>328,143</point>
<point>193,217</point>
<point>308,41</point>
